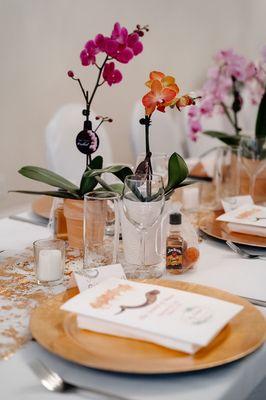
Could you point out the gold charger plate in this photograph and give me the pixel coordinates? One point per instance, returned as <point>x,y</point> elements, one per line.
<point>219,230</point>
<point>56,330</point>
<point>42,206</point>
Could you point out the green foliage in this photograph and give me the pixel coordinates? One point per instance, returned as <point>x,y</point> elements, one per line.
<point>49,177</point>
<point>66,189</point>
<point>230,140</point>
<point>88,183</point>
<point>120,171</point>
<point>53,193</point>
<point>177,172</point>
<point>260,130</point>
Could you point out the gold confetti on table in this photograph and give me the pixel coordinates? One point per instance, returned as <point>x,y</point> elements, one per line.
<point>19,294</point>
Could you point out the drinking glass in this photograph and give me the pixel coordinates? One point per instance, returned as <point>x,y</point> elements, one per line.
<point>143,202</point>
<point>252,156</point>
<point>159,163</point>
<point>226,175</point>
<point>101,229</point>
<point>49,260</point>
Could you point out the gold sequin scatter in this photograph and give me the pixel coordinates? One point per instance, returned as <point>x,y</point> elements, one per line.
<point>19,294</point>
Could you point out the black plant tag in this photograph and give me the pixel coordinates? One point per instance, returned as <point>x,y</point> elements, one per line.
<point>144,168</point>
<point>87,142</point>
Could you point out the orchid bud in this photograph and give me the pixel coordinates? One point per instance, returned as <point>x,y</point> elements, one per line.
<point>70,74</point>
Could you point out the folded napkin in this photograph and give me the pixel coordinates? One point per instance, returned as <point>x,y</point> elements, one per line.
<point>169,317</point>
<point>248,219</point>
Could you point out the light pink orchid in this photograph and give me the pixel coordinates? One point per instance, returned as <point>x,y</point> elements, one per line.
<point>231,72</point>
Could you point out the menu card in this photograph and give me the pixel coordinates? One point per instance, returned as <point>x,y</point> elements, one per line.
<point>172,318</point>
<point>249,219</point>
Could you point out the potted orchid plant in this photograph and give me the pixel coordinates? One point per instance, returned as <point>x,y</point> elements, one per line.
<point>102,53</point>
<point>232,82</point>
<point>163,93</point>
<point>222,93</point>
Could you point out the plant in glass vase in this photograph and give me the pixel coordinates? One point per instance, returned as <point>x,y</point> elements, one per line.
<point>232,81</point>
<point>102,53</point>
<point>144,192</point>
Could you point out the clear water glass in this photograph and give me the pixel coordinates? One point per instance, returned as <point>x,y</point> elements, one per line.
<point>252,156</point>
<point>143,203</point>
<point>101,229</point>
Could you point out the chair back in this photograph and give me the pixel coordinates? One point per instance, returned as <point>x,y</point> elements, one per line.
<point>62,154</point>
<point>166,133</point>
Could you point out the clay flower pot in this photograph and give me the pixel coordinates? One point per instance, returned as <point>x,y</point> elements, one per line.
<point>96,217</point>
<point>73,212</point>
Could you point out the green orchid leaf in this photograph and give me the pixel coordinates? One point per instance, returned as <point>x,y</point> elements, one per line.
<point>260,130</point>
<point>88,183</point>
<point>120,171</point>
<point>115,187</point>
<point>231,140</point>
<point>51,178</point>
<point>123,173</point>
<point>53,193</point>
<point>177,172</point>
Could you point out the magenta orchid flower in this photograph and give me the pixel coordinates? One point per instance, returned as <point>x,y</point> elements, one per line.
<point>111,75</point>
<point>120,46</point>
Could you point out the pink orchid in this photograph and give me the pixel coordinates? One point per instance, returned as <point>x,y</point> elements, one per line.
<point>225,82</point>
<point>122,46</point>
<point>111,75</point>
<point>88,54</point>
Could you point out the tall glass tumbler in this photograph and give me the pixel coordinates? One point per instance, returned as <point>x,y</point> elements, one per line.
<point>226,176</point>
<point>101,229</point>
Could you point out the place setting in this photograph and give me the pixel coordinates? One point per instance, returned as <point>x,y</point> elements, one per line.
<point>128,279</point>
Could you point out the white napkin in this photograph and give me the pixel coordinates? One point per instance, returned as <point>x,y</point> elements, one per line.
<point>248,219</point>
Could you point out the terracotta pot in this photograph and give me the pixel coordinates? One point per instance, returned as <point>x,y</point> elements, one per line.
<point>73,212</point>
<point>96,217</point>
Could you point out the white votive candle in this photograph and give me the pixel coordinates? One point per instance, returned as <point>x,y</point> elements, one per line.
<point>190,198</point>
<point>50,266</point>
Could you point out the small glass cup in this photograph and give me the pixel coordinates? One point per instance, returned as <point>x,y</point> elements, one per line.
<point>101,229</point>
<point>227,174</point>
<point>49,257</point>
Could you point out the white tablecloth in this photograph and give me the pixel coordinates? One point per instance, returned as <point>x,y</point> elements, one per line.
<point>218,267</point>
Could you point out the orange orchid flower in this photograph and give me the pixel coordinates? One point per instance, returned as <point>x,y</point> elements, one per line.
<point>159,97</point>
<point>184,101</point>
<point>167,81</point>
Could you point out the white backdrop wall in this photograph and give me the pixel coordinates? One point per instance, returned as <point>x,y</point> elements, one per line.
<point>41,40</point>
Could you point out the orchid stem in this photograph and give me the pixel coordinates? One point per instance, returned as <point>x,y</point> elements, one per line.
<point>97,82</point>
<point>85,94</point>
<point>225,109</point>
<point>147,139</point>
<point>98,126</point>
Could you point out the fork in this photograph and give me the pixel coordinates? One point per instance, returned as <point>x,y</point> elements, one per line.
<point>54,383</point>
<point>243,253</point>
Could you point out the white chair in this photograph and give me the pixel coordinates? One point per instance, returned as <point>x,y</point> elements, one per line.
<point>62,155</point>
<point>166,133</point>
